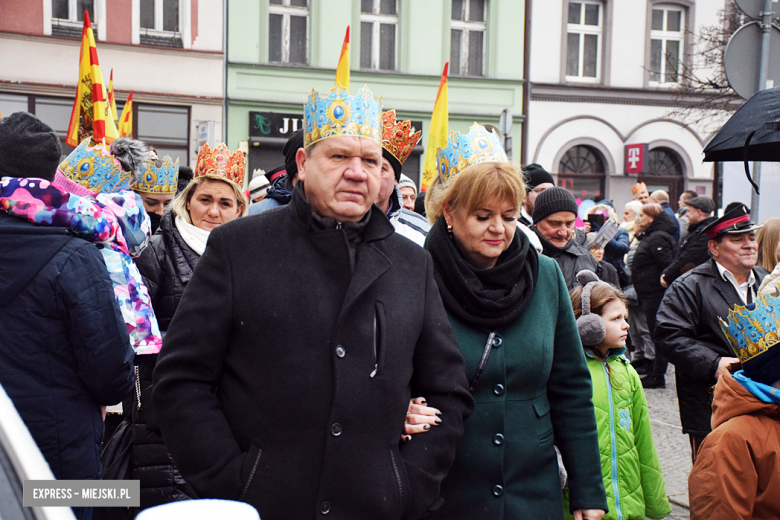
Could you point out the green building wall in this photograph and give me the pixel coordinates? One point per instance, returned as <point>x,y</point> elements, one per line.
<point>423,46</point>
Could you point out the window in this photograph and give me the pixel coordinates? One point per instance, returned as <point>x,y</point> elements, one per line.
<point>662,161</point>
<point>68,17</point>
<point>581,171</point>
<point>378,31</point>
<point>288,31</point>
<point>667,34</point>
<point>467,44</point>
<point>583,41</point>
<point>160,23</point>
<point>164,127</point>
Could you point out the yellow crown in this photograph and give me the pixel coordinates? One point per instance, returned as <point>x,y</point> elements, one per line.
<point>219,163</point>
<point>397,136</point>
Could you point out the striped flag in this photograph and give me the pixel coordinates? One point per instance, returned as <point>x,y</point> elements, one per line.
<point>126,121</point>
<point>342,70</point>
<point>91,114</point>
<point>437,135</point>
<point>111,100</point>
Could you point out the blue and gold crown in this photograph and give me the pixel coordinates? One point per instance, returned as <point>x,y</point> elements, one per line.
<point>478,146</point>
<point>158,176</point>
<point>91,166</point>
<point>754,329</point>
<point>341,114</point>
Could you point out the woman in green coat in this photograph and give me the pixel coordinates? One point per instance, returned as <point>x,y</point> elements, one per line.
<point>515,328</point>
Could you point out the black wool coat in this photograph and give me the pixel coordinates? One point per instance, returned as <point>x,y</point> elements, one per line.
<point>653,254</point>
<point>687,332</point>
<point>693,251</point>
<point>285,377</point>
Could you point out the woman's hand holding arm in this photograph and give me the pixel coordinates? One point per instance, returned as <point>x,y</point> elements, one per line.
<point>419,418</point>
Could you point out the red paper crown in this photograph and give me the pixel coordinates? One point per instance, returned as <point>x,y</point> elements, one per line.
<point>219,163</point>
<point>397,136</point>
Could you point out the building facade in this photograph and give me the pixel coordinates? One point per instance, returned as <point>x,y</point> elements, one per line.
<point>169,53</point>
<point>278,50</point>
<point>604,80</point>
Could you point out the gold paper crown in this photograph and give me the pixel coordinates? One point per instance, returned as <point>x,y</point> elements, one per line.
<point>341,114</point>
<point>753,330</point>
<point>220,164</point>
<point>397,136</point>
<point>158,176</point>
<point>462,151</point>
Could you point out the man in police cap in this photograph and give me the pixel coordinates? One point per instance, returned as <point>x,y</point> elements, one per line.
<point>687,329</point>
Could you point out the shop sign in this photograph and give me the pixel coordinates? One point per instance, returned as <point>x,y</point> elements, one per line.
<point>635,158</point>
<point>272,124</point>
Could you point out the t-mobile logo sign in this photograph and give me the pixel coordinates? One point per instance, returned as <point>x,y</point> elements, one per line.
<point>635,157</point>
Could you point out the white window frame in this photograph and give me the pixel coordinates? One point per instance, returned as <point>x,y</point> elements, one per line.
<point>98,21</point>
<point>666,36</point>
<point>376,19</point>
<point>158,22</point>
<point>581,29</point>
<point>287,10</point>
<point>467,27</point>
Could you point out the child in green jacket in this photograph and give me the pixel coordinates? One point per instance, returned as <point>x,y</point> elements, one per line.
<point>629,463</point>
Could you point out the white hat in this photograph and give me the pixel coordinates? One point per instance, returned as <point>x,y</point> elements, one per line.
<point>258,186</point>
<point>406,182</point>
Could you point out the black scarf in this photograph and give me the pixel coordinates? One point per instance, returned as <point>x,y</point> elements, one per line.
<point>487,299</point>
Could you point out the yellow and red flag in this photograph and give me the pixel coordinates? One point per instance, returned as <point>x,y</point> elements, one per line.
<point>91,114</point>
<point>437,135</point>
<point>342,69</point>
<point>111,100</point>
<point>126,121</point>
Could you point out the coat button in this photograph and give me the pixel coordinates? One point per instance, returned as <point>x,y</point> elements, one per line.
<point>340,352</point>
<point>498,389</point>
<point>498,341</point>
<point>498,439</point>
<point>325,508</point>
<point>335,429</point>
<point>498,490</point>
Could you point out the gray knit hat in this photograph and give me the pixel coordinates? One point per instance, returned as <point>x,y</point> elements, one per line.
<point>553,200</point>
<point>28,147</point>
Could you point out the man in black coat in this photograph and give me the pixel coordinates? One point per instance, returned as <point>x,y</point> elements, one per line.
<point>687,329</point>
<point>555,211</point>
<point>290,391</point>
<point>64,348</point>
<point>693,249</point>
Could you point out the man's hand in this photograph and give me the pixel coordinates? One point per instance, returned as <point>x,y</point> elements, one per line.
<point>723,364</point>
<point>663,282</point>
<point>588,514</point>
<point>419,418</point>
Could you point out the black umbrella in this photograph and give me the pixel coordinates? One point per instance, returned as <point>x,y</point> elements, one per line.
<point>751,134</point>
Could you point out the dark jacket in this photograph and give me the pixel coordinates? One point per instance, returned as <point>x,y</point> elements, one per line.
<point>693,251</point>
<point>535,389</point>
<point>290,391</point>
<point>166,266</point>
<point>688,334</point>
<point>653,254</point>
<point>64,348</point>
<point>571,259</point>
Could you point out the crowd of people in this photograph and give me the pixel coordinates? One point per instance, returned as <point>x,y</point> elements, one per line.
<point>322,346</point>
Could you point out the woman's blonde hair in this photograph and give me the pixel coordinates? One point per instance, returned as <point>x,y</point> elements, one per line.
<point>473,187</point>
<point>179,204</point>
<point>767,238</point>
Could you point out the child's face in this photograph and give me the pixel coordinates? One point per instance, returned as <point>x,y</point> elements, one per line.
<point>614,316</point>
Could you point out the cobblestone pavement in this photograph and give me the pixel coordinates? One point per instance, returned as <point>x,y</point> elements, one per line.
<point>673,447</point>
